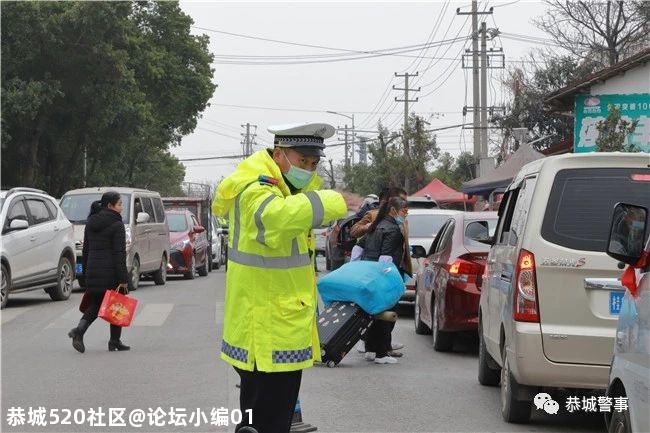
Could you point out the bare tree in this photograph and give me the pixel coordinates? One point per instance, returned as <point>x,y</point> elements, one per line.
<point>604,30</point>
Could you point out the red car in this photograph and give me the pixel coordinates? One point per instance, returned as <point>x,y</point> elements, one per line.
<point>448,287</point>
<point>189,245</point>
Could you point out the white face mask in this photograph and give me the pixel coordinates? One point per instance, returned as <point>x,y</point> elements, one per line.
<point>298,177</point>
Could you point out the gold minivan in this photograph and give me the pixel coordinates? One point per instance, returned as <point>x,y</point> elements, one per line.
<point>147,233</point>
<point>545,319</point>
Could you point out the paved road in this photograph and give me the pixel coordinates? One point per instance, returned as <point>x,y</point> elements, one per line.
<point>174,363</point>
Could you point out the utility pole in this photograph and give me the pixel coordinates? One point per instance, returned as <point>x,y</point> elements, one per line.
<point>480,108</point>
<point>331,173</point>
<point>406,101</point>
<point>484,133</point>
<point>363,150</point>
<point>247,141</point>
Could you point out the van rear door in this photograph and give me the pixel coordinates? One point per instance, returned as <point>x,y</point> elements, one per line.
<point>578,318</point>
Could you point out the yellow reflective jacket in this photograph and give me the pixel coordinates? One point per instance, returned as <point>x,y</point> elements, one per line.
<point>270,306</point>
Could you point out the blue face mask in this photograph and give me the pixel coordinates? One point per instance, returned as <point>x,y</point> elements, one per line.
<point>400,220</point>
<point>637,225</point>
<point>298,177</point>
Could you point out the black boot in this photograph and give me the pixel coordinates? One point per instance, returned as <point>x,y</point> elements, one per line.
<point>77,335</point>
<point>114,343</point>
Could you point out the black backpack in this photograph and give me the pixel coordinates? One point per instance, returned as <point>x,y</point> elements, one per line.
<point>344,239</point>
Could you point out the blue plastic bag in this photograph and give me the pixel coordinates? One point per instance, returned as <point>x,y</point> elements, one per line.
<point>374,286</point>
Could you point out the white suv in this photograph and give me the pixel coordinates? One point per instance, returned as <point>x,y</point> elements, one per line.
<point>37,245</point>
<point>544,321</point>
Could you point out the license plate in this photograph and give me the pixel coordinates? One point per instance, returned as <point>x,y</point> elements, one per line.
<point>79,268</point>
<point>615,302</point>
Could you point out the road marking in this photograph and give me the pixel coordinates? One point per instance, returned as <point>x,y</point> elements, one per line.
<point>153,315</point>
<point>9,314</point>
<point>67,320</point>
<point>218,314</point>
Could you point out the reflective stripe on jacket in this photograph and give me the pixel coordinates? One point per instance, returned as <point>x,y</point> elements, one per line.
<point>270,305</point>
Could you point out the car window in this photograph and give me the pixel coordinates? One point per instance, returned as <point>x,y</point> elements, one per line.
<point>194,221</point>
<point>506,211</point>
<point>425,225</point>
<point>38,211</point>
<point>475,230</point>
<point>16,212</point>
<point>579,209</point>
<point>148,208</point>
<point>159,210</point>
<point>52,208</point>
<point>447,236</point>
<point>76,207</point>
<point>177,222</point>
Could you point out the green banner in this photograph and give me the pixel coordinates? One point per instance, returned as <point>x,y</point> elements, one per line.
<point>590,109</point>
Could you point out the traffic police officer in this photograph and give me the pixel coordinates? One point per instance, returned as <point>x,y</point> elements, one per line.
<point>269,333</point>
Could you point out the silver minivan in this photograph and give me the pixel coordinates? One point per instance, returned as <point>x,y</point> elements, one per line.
<point>544,321</point>
<point>147,233</point>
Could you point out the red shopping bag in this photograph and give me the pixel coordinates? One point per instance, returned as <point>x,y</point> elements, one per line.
<point>117,309</point>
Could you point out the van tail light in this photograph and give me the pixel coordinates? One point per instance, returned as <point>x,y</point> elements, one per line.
<point>525,306</point>
<point>465,270</point>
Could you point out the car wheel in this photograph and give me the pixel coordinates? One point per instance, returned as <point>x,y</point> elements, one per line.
<point>4,289</point>
<point>190,274</point>
<point>620,422</point>
<point>160,276</point>
<point>442,341</point>
<point>64,281</point>
<point>134,276</point>
<point>488,375</point>
<point>203,269</point>
<point>420,327</point>
<point>512,410</point>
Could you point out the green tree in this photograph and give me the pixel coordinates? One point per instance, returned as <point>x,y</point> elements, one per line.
<point>453,172</point>
<point>613,132</point>
<point>528,88</point>
<point>120,82</point>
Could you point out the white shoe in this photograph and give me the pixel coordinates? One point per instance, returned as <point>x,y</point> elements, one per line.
<point>370,356</point>
<point>361,347</point>
<point>396,346</point>
<point>386,360</point>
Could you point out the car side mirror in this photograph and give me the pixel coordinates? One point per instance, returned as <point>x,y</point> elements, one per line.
<point>627,233</point>
<point>143,217</point>
<point>18,224</point>
<point>491,240</point>
<point>224,230</point>
<point>199,229</point>
<point>418,251</point>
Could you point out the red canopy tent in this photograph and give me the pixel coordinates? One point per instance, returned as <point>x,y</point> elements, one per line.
<point>443,194</point>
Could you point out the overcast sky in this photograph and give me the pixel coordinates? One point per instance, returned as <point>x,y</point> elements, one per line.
<point>270,94</point>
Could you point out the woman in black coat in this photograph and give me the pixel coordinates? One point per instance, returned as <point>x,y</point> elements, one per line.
<point>386,238</point>
<point>104,265</point>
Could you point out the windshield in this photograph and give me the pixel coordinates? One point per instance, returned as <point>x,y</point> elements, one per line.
<point>177,222</point>
<point>77,207</point>
<point>425,226</point>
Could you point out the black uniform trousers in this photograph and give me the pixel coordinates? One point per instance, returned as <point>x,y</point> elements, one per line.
<point>378,337</point>
<point>95,301</point>
<point>272,398</point>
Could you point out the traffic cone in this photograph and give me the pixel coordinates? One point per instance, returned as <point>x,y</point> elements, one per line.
<point>297,426</point>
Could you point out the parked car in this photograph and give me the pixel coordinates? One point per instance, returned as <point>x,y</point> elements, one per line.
<point>320,237</point>
<point>629,376</point>
<point>189,245</point>
<point>147,235</point>
<point>449,281</point>
<point>200,206</point>
<point>424,224</point>
<point>541,324</point>
<point>37,245</point>
<point>219,248</point>
<point>335,257</point>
